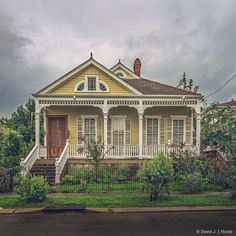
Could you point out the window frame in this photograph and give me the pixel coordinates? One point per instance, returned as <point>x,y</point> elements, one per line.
<point>85,81</point>
<point>184,127</point>
<point>158,129</point>
<point>96,123</point>
<point>122,72</point>
<point>123,118</point>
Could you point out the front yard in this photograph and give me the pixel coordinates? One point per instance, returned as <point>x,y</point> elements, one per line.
<point>123,200</point>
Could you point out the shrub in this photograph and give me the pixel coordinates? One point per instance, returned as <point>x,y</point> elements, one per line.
<point>85,173</point>
<point>104,175</point>
<point>122,172</point>
<point>68,179</point>
<point>4,180</point>
<point>157,174</point>
<point>192,183</point>
<point>32,188</point>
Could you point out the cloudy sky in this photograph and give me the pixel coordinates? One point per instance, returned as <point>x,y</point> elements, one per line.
<point>42,40</point>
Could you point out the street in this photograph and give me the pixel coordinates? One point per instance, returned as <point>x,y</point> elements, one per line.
<point>168,223</point>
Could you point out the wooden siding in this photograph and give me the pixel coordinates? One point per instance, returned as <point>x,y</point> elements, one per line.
<point>74,121</point>
<point>69,86</point>
<point>128,75</point>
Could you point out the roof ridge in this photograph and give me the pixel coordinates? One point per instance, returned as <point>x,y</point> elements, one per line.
<point>191,92</point>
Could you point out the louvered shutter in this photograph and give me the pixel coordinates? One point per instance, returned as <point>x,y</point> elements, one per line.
<point>127,131</point>
<point>109,131</point>
<point>162,131</point>
<point>188,127</point>
<point>99,129</point>
<point>169,130</point>
<point>80,129</point>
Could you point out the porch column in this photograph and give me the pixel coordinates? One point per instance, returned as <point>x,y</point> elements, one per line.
<point>105,118</point>
<point>198,132</point>
<point>45,134</point>
<point>140,115</point>
<point>37,130</point>
<point>198,127</point>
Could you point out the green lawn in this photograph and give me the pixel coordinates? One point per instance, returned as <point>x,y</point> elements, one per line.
<point>122,200</point>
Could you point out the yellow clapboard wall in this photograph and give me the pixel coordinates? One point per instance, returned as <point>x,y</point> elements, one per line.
<point>74,114</point>
<point>68,87</point>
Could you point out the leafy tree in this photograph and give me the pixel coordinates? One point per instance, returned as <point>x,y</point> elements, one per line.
<point>23,121</point>
<point>157,174</point>
<point>219,129</point>
<point>94,151</point>
<point>187,85</point>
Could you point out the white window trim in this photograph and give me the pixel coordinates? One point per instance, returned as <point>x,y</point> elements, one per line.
<point>172,126</point>
<point>159,120</point>
<point>112,120</point>
<point>122,72</point>
<point>86,85</point>
<point>90,117</point>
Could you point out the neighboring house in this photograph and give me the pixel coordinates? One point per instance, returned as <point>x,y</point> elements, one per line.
<point>136,116</point>
<point>231,104</point>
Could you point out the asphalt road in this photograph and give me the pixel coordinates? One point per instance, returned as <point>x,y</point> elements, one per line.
<point>132,224</point>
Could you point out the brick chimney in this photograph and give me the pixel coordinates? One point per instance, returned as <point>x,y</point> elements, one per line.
<point>137,67</point>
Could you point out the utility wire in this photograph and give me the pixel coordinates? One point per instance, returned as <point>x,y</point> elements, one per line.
<point>217,90</point>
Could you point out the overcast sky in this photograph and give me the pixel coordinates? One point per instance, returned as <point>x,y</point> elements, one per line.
<point>42,40</point>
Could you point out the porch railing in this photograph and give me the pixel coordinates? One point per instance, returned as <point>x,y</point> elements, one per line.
<point>27,163</point>
<point>131,151</point>
<point>61,161</point>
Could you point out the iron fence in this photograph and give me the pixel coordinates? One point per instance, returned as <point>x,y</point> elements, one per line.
<point>125,179</point>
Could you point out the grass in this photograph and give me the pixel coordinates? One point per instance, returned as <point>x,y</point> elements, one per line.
<point>126,187</point>
<point>122,200</point>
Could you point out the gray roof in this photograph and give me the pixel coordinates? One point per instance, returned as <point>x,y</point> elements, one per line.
<point>150,87</point>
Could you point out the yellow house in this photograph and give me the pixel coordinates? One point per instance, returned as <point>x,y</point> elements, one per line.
<point>135,116</point>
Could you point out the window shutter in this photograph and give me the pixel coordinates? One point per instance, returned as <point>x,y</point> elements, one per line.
<point>144,131</point>
<point>162,131</point>
<point>80,130</point>
<point>127,131</point>
<point>188,131</point>
<point>169,130</point>
<point>109,131</point>
<point>99,129</point>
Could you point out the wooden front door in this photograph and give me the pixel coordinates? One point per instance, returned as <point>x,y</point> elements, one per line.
<point>56,136</point>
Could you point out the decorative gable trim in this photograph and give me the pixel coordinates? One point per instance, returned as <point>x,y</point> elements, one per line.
<point>125,68</point>
<point>87,63</point>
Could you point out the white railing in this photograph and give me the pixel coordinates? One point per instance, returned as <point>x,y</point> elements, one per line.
<point>27,163</point>
<point>123,151</point>
<point>131,151</point>
<point>61,161</point>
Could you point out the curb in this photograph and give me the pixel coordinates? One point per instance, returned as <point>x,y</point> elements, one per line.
<point>120,210</point>
<point>159,209</point>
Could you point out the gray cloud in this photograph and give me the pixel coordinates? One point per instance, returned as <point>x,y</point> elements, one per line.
<point>41,40</point>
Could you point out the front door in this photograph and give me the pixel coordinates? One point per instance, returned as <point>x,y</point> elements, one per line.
<point>56,136</point>
<point>118,136</point>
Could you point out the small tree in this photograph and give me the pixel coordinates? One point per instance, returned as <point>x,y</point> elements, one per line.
<point>187,85</point>
<point>157,174</point>
<point>94,151</point>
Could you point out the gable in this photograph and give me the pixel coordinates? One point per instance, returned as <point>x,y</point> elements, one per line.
<point>68,86</point>
<point>129,74</point>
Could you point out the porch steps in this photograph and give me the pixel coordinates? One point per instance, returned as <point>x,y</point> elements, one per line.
<point>46,168</point>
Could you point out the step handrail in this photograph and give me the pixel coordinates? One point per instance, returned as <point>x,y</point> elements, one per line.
<point>61,161</point>
<point>27,163</point>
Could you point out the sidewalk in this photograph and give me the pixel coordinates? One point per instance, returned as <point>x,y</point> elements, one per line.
<point>125,209</point>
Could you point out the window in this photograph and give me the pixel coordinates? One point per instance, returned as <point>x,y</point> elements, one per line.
<point>102,87</point>
<point>81,87</point>
<point>178,131</point>
<point>152,131</point>
<point>92,83</point>
<point>121,74</point>
<point>90,128</point>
